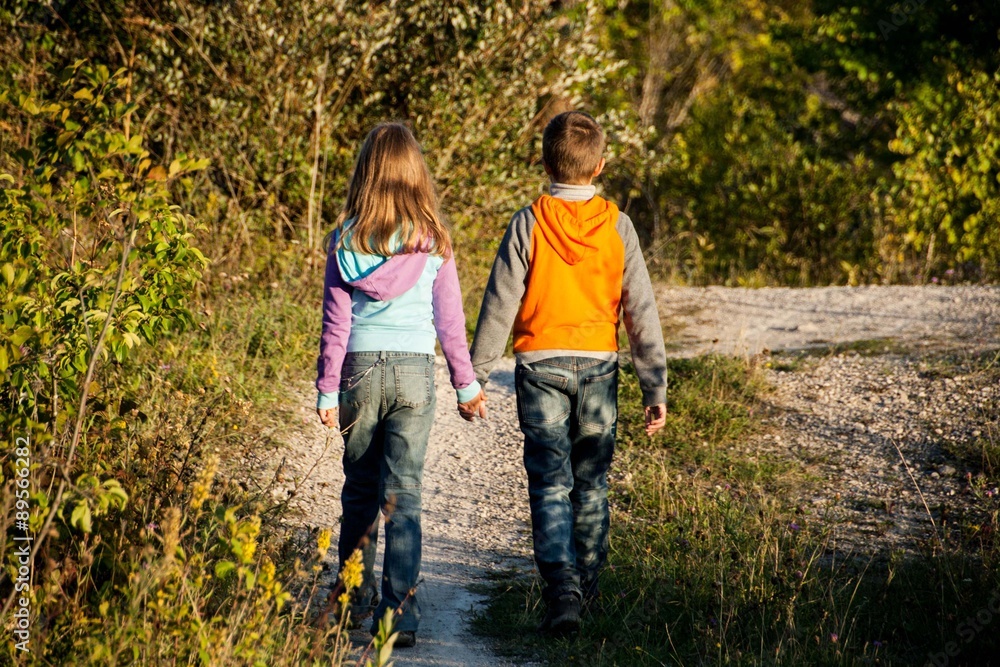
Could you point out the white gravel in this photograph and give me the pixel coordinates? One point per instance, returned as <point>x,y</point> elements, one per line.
<point>475,510</point>
<point>839,415</point>
<point>725,320</point>
<point>850,419</point>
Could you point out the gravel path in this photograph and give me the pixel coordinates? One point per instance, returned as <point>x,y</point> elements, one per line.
<point>882,427</point>
<point>729,320</point>
<point>475,511</point>
<point>842,415</point>
<point>883,436</point>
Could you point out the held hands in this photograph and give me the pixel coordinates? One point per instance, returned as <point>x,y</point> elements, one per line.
<point>656,418</point>
<point>329,417</point>
<point>476,406</point>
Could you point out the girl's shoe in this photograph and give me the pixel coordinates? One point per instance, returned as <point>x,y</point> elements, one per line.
<point>358,611</point>
<point>404,638</point>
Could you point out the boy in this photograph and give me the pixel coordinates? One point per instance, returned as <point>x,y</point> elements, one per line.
<point>566,267</point>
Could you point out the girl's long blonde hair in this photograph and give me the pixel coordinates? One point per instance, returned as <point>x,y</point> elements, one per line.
<point>391,204</point>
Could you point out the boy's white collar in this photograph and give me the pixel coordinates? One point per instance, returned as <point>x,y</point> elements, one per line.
<point>570,192</point>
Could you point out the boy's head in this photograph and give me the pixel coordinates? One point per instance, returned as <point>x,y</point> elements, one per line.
<point>573,148</point>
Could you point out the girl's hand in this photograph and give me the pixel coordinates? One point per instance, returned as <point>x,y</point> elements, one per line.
<point>656,418</point>
<point>476,406</point>
<point>330,417</point>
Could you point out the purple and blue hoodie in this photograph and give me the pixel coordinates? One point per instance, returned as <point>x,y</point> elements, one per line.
<point>399,303</point>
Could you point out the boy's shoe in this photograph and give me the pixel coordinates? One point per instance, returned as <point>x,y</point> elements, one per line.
<point>592,606</point>
<point>405,639</point>
<point>563,616</point>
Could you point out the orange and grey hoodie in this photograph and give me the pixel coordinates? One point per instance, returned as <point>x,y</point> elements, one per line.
<point>568,271</point>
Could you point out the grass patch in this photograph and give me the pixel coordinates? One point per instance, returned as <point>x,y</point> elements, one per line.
<point>199,566</point>
<point>787,364</point>
<point>712,562</point>
<point>869,347</point>
<point>979,448</point>
<point>795,359</point>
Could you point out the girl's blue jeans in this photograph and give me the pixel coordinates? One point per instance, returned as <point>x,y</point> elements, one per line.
<point>568,411</point>
<point>386,410</point>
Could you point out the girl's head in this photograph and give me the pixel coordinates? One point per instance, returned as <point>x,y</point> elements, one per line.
<point>390,200</point>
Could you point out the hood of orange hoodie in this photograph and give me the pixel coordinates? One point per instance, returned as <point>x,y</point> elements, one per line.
<point>574,229</point>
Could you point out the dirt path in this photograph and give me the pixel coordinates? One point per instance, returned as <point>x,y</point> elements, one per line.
<point>842,415</point>
<point>475,511</point>
<point>889,425</point>
<point>727,320</point>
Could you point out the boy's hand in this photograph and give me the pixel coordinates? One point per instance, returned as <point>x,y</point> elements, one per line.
<point>656,418</point>
<point>476,406</point>
<point>330,417</point>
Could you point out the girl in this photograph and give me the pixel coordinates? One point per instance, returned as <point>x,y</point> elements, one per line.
<point>391,285</point>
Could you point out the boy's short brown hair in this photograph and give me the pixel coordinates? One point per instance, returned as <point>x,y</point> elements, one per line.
<point>572,146</point>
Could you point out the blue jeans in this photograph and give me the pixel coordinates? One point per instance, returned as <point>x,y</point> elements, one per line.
<point>386,411</point>
<point>568,410</point>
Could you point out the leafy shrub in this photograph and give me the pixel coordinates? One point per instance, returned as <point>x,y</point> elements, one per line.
<point>947,193</point>
<point>141,555</point>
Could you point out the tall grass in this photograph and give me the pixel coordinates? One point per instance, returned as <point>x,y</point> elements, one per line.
<point>199,566</point>
<point>714,562</point>
<point>979,450</point>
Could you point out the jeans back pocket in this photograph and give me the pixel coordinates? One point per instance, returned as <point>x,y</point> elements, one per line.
<point>414,385</point>
<point>541,397</point>
<point>356,385</point>
<point>599,402</point>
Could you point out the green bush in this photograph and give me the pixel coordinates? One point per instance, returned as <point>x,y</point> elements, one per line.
<point>807,143</point>
<point>141,554</point>
<point>947,186</point>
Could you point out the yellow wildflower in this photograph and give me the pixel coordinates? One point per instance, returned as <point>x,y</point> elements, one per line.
<point>267,572</point>
<point>171,532</point>
<point>323,542</point>
<point>203,484</point>
<point>352,573</point>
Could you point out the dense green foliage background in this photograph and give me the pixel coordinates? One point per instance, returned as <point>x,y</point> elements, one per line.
<point>753,142</point>
<point>169,168</point>
<point>804,143</point>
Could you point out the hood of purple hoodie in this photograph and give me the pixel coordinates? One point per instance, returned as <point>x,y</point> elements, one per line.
<point>381,278</point>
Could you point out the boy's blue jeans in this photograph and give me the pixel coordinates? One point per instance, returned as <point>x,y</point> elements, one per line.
<point>386,411</point>
<point>568,410</point>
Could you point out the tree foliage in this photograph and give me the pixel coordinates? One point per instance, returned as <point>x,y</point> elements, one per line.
<point>831,141</point>
<point>810,143</point>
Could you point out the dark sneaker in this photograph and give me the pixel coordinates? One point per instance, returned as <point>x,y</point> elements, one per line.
<point>364,610</point>
<point>563,616</point>
<point>592,606</point>
<point>405,639</point>
<point>359,611</point>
